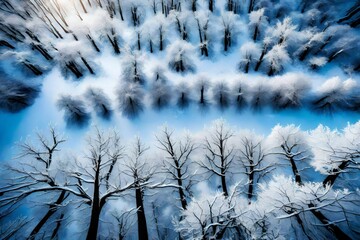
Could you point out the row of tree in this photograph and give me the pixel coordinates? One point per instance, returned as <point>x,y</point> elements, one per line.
<point>216,184</point>
<point>71,33</point>
<point>286,92</point>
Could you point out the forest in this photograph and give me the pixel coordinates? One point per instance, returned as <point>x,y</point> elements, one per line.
<point>179,119</point>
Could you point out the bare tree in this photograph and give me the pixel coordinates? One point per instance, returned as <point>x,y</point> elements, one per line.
<point>252,156</point>
<point>177,162</point>
<point>124,221</point>
<point>138,168</point>
<point>33,176</point>
<point>219,153</point>
<point>96,177</point>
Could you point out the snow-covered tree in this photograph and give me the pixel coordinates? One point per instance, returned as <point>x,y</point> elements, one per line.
<point>282,31</point>
<point>257,22</point>
<point>286,209</point>
<point>202,19</point>
<point>202,86</point>
<point>213,216</point>
<point>335,94</point>
<point>260,95</point>
<point>155,31</point>
<point>100,102</point>
<point>289,91</point>
<point>221,94</point>
<point>228,20</point>
<point>276,58</point>
<point>180,56</point>
<point>249,52</point>
<point>240,91</point>
<point>138,168</point>
<point>181,21</point>
<point>313,42</point>
<point>290,144</point>
<point>336,154</point>
<point>133,68</point>
<point>15,95</point>
<point>161,92</point>
<point>183,94</point>
<point>75,110</point>
<point>130,97</point>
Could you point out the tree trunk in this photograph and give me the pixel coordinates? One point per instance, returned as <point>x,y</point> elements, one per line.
<point>6,44</point>
<point>256,31</point>
<point>330,179</point>
<point>251,182</point>
<point>247,66</point>
<point>151,46</point>
<point>58,224</point>
<point>258,64</point>
<point>142,226</point>
<point>251,6</point>
<point>93,43</point>
<point>223,183</point>
<point>82,6</point>
<point>295,171</point>
<point>193,5</point>
<point>95,206</point>
<point>50,212</point>
<point>338,233</point>
<point>87,65</point>
<point>304,53</point>
<point>180,184</point>
<point>211,5</point>
<point>35,70</point>
<point>226,40</point>
<point>74,69</point>
<point>120,11</point>
<point>161,40</point>
<point>42,51</point>
<point>138,41</point>
<point>202,100</point>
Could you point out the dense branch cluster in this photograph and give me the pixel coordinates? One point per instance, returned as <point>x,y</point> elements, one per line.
<point>273,36</point>
<point>215,184</point>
